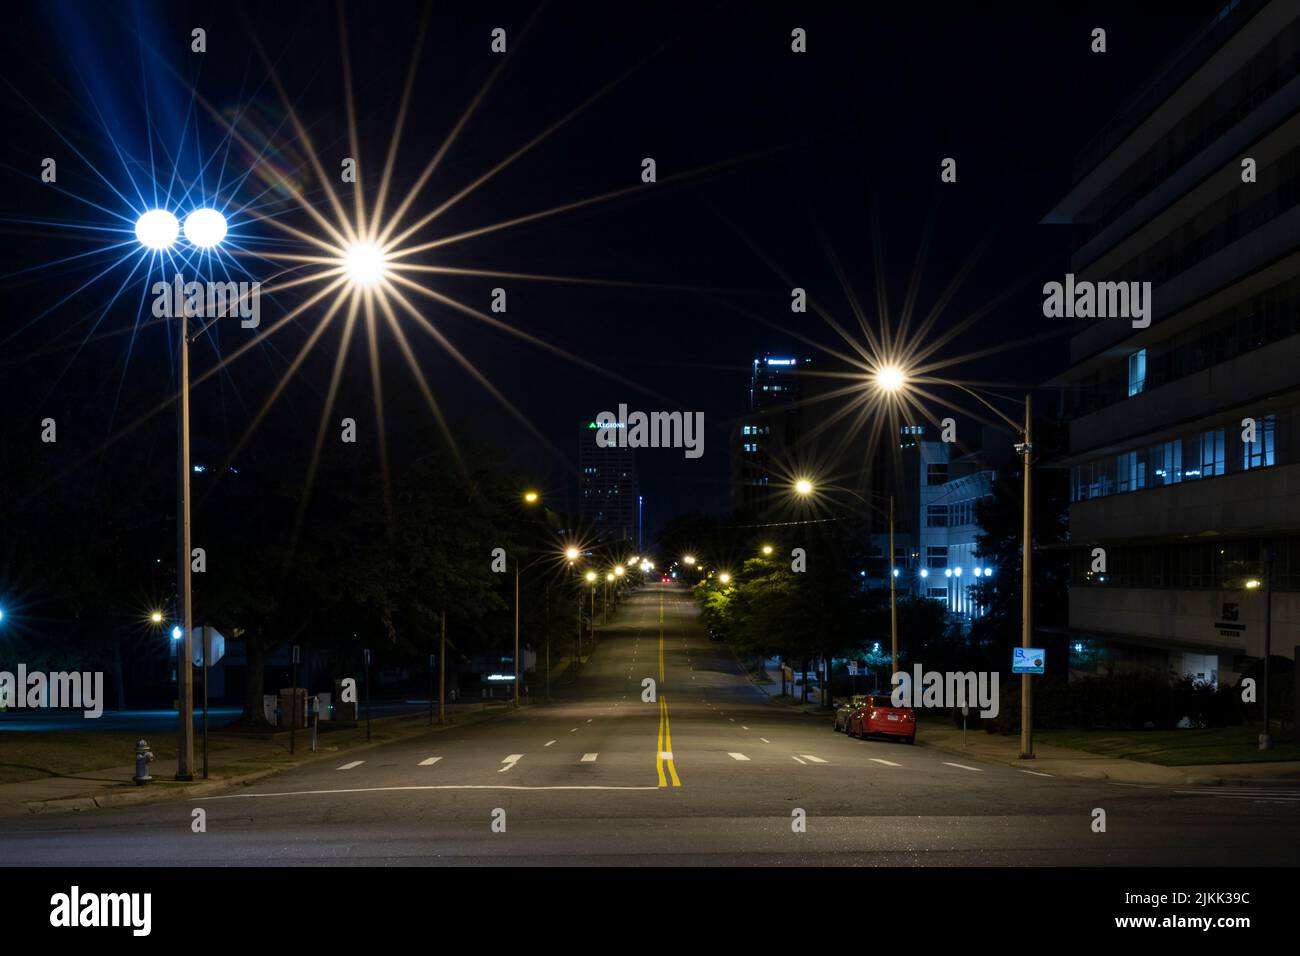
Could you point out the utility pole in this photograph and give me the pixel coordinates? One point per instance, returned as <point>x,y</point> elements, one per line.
<point>516,632</point>
<point>893,603</point>
<point>1266,739</point>
<point>185,615</point>
<point>442,672</point>
<point>1026,593</point>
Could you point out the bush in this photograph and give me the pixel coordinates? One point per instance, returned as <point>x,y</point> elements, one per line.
<point>1123,702</point>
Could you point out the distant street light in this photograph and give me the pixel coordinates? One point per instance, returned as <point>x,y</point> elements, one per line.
<point>572,553</point>
<point>156,617</point>
<point>893,576</point>
<point>767,549</point>
<point>531,497</point>
<point>689,559</point>
<point>724,577</point>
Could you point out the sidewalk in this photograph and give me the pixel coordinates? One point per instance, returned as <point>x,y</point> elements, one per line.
<point>233,760</point>
<point>1066,762</point>
<point>1061,761</point>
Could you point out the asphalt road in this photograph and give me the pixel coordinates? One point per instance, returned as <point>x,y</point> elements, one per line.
<point>711,772</point>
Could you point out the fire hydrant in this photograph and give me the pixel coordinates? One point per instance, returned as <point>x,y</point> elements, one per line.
<point>143,757</point>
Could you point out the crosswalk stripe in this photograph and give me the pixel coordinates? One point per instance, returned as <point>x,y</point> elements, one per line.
<point>796,759</point>
<point>962,766</point>
<point>887,763</point>
<point>812,758</point>
<point>589,758</point>
<point>349,766</point>
<point>510,761</point>
<point>548,743</point>
<point>429,761</point>
<point>737,756</point>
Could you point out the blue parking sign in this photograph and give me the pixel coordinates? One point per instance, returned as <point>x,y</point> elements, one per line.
<point>1028,660</point>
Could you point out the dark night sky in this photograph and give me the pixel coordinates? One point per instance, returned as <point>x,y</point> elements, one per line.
<point>815,146</point>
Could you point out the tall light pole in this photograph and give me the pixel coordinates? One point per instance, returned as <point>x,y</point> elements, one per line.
<point>889,378</point>
<point>184,611</point>
<point>157,230</point>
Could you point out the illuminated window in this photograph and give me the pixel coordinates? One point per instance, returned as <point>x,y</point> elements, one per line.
<point>1137,372</point>
<point>1259,453</point>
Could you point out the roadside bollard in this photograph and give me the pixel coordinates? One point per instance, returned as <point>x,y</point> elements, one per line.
<point>143,757</point>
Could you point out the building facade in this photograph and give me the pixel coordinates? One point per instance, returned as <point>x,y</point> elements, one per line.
<point>765,439</point>
<point>609,501</point>
<point>1185,433</point>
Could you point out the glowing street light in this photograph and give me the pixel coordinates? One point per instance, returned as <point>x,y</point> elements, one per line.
<point>689,559</point>
<point>156,617</point>
<point>157,229</point>
<point>724,577</point>
<point>572,553</point>
<point>767,549</point>
<point>205,227</point>
<point>619,570</point>
<point>591,577</point>
<point>803,487</point>
<point>889,378</point>
<point>531,497</point>
<point>364,264</point>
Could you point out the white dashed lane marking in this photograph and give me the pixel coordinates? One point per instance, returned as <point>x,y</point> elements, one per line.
<point>811,758</point>
<point>349,766</point>
<point>738,757</point>
<point>429,761</point>
<point>589,758</point>
<point>962,766</point>
<point>510,761</point>
<point>887,763</point>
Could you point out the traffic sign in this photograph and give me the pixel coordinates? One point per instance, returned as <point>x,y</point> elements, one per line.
<point>1028,660</point>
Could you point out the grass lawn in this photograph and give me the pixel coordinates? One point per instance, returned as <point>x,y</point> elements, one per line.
<point>1178,748</point>
<point>31,756</point>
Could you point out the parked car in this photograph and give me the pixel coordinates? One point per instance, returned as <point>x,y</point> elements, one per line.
<point>877,716</point>
<point>845,710</point>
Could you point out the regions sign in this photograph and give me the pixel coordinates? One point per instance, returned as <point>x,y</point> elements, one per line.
<point>1028,660</point>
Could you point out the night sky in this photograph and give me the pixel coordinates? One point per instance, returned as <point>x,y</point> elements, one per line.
<point>796,154</point>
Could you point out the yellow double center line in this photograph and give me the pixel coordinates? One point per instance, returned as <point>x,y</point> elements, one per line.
<point>664,744</point>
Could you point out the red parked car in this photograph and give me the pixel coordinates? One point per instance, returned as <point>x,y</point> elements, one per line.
<point>878,715</point>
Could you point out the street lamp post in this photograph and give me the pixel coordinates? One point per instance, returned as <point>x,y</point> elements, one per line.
<point>185,614</point>
<point>805,487</point>
<point>1266,740</point>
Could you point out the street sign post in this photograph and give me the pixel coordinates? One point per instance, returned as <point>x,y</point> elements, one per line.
<point>293,697</point>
